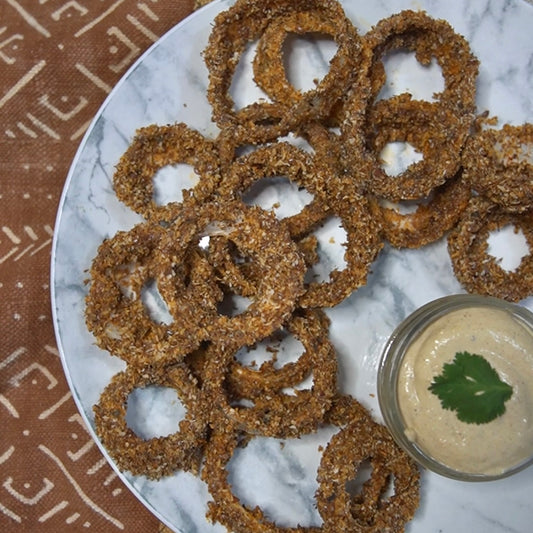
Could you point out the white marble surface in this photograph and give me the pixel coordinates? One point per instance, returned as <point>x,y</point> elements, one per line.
<point>168,84</point>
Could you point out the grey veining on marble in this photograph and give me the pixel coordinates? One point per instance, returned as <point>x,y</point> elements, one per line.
<point>168,84</point>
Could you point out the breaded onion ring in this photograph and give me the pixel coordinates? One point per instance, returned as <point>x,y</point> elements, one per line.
<point>310,328</point>
<point>274,413</point>
<point>499,165</point>
<point>264,121</point>
<point>158,456</point>
<point>226,508</point>
<point>434,131</point>
<point>429,38</point>
<point>258,235</point>
<point>268,65</point>
<point>474,267</point>
<point>361,439</point>
<point>363,244</point>
<point>282,160</point>
<point>430,221</point>
<point>453,109</point>
<point>115,312</point>
<point>240,274</point>
<point>243,23</point>
<point>154,147</point>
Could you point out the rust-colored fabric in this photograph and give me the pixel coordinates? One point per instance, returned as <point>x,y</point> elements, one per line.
<point>58,61</point>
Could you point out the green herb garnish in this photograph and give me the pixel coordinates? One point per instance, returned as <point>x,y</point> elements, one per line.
<point>471,387</point>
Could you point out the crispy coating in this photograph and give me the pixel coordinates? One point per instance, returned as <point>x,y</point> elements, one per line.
<point>244,22</point>
<point>155,147</point>
<point>454,106</point>
<point>280,160</point>
<point>310,328</point>
<point>432,218</point>
<point>429,38</point>
<point>259,235</point>
<point>239,274</point>
<point>226,508</point>
<point>372,509</point>
<point>161,455</point>
<point>115,312</point>
<point>264,121</point>
<point>269,68</point>
<point>364,242</point>
<point>274,413</point>
<point>419,123</point>
<point>477,270</point>
<point>498,164</point>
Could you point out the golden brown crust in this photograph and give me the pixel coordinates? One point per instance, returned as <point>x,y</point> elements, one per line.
<point>362,246</point>
<point>497,165</point>
<point>115,312</point>
<point>310,328</point>
<point>429,38</point>
<point>280,159</point>
<point>155,147</point>
<point>373,509</point>
<point>432,130</point>
<point>243,23</point>
<point>161,455</point>
<point>273,412</point>
<point>454,106</point>
<point>269,69</point>
<point>432,218</point>
<point>226,508</point>
<point>259,235</point>
<point>477,270</point>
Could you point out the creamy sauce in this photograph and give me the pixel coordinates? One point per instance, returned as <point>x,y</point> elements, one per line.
<point>507,344</point>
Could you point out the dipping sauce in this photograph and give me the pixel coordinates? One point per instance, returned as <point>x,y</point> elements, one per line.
<point>506,342</point>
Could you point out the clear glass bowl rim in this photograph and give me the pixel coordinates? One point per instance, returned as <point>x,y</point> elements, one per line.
<point>391,360</point>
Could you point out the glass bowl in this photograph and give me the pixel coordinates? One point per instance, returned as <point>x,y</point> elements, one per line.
<point>434,436</point>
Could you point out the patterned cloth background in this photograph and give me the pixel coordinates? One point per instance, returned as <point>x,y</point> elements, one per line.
<point>58,61</point>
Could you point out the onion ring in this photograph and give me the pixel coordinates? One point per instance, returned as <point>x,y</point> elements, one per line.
<point>265,123</point>
<point>310,328</point>
<point>115,312</point>
<point>257,234</point>
<point>430,221</point>
<point>363,439</point>
<point>455,106</point>
<point>478,271</point>
<point>280,159</point>
<point>274,413</point>
<point>268,67</point>
<point>154,147</point>
<point>429,38</point>
<point>497,165</point>
<point>364,241</point>
<point>158,456</point>
<point>239,274</point>
<point>419,123</point>
<point>226,508</point>
<point>244,22</point>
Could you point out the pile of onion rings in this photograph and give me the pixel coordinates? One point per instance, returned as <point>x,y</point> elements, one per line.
<point>212,247</point>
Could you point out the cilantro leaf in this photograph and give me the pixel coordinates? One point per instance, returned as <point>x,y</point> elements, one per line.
<point>471,387</point>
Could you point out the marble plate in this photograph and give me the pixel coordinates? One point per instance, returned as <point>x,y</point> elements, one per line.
<point>167,84</point>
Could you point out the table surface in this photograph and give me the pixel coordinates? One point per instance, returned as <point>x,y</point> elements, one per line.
<point>59,60</point>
